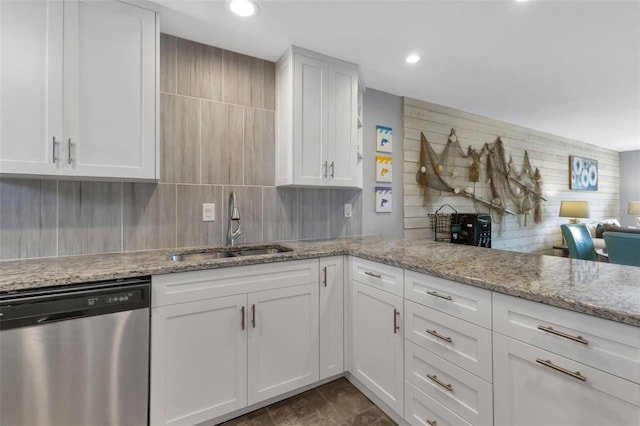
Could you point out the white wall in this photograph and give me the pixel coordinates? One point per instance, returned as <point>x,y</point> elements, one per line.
<point>629,184</point>
<point>386,110</point>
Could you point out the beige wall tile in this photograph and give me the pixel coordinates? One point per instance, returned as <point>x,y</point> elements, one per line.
<point>27,218</point>
<point>168,56</point>
<point>269,85</point>
<point>199,70</point>
<point>242,79</point>
<point>280,213</point>
<point>149,216</point>
<point>259,152</point>
<point>191,230</point>
<point>222,144</point>
<point>249,203</point>
<point>90,218</point>
<point>179,139</point>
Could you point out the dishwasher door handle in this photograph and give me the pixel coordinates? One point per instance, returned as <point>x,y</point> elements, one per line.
<point>62,316</point>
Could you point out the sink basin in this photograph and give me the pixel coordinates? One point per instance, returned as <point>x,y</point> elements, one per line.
<point>226,252</point>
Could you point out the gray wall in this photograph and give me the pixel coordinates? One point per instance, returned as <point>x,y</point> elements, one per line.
<point>629,184</point>
<point>217,134</point>
<point>386,110</point>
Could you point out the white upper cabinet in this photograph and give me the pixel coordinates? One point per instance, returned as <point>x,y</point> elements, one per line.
<point>86,105</point>
<point>317,140</point>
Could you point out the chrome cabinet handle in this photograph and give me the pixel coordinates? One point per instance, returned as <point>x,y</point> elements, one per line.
<point>371,274</point>
<point>242,315</point>
<point>439,336</point>
<point>253,316</point>
<point>447,386</point>
<point>548,363</point>
<point>69,145</point>
<point>578,339</point>
<point>325,276</point>
<point>396,327</point>
<point>325,168</point>
<point>53,149</point>
<point>432,422</point>
<point>433,293</point>
<point>332,167</point>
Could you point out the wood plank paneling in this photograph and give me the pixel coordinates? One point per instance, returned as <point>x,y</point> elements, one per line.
<point>547,152</point>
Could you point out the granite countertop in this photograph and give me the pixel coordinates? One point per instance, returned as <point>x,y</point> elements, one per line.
<point>599,289</point>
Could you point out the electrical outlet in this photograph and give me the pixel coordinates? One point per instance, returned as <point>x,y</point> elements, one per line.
<point>208,212</point>
<point>348,210</point>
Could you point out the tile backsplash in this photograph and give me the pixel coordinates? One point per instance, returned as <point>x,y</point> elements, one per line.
<point>217,134</point>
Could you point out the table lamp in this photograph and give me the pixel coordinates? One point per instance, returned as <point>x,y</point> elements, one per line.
<point>575,210</point>
<point>634,210</point>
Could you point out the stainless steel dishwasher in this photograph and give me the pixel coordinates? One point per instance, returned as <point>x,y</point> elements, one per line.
<point>75,355</point>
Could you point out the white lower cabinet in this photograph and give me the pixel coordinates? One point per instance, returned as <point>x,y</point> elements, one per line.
<point>331,316</point>
<point>422,410</point>
<point>377,343</point>
<point>535,387</point>
<point>213,356</point>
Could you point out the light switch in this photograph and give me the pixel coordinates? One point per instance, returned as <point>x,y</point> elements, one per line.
<point>348,210</point>
<point>208,212</point>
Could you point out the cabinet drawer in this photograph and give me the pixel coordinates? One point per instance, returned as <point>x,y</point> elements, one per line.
<point>197,285</point>
<point>422,410</point>
<point>530,392</point>
<point>463,301</point>
<point>606,345</point>
<point>460,342</point>
<point>463,393</point>
<point>379,275</point>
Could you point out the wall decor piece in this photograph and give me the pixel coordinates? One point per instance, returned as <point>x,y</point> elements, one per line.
<point>583,173</point>
<point>383,168</point>
<point>384,199</point>
<point>384,139</point>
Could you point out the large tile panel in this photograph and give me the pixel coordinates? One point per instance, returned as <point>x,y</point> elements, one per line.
<point>313,213</point>
<point>280,213</point>
<point>242,79</point>
<point>199,70</point>
<point>191,230</point>
<point>269,85</point>
<point>179,139</point>
<point>149,216</point>
<point>28,211</point>
<point>168,57</point>
<point>249,203</point>
<point>90,217</point>
<point>222,144</point>
<point>259,147</point>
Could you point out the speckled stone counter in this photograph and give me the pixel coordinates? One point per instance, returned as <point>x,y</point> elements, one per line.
<point>599,289</point>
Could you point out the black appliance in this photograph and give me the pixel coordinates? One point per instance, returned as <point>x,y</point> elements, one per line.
<point>472,229</point>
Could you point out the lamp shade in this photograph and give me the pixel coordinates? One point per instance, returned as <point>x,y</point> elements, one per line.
<point>575,209</point>
<point>634,208</point>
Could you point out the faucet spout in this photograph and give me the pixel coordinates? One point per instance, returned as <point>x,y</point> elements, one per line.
<point>234,218</point>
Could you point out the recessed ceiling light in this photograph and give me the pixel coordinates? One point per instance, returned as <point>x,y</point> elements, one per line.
<point>244,8</point>
<point>412,59</point>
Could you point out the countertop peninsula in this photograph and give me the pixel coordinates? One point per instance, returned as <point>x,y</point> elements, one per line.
<point>594,288</point>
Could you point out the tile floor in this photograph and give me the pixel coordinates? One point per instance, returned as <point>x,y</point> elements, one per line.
<point>335,403</point>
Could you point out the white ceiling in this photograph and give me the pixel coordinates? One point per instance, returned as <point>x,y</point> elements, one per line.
<point>570,68</point>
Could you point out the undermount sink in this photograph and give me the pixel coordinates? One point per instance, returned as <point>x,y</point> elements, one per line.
<point>226,252</point>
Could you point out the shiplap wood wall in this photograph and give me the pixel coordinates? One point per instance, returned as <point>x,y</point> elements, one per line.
<point>547,152</point>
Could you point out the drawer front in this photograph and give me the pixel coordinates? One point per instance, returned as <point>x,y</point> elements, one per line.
<point>379,275</point>
<point>197,285</point>
<point>463,393</point>
<point>606,345</point>
<point>422,410</point>
<point>460,342</point>
<point>463,301</point>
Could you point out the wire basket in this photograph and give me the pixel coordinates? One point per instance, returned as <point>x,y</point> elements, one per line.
<point>442,223</point>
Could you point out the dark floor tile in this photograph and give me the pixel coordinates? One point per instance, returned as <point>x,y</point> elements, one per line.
<point>308,408</point>
<point>345,398</point>
<point>259,417</point>
<point>371,417</point>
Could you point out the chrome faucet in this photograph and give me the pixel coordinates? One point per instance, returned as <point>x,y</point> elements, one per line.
<point>234,216</point>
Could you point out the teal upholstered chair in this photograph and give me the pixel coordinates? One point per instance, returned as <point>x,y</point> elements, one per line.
<point>623,248</point>
<point>579,241</point>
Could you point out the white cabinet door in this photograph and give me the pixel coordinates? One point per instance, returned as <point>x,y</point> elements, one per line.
<point>528,392</point>
<point>343,126</point>
<point>109,81</point>
<point>283,340</point>
<point>331,316</point>
<point>30,86</point>
<point>377,343</point>
<point>310,122</point>
<point>199,360</point>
